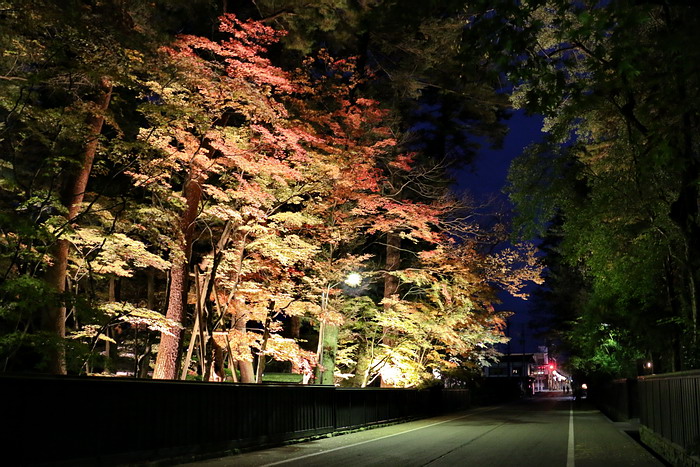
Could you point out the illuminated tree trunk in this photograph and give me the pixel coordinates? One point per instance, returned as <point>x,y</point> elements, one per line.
<point>391,283</point>
<point>393,259</point>
<point>240,319</point>
<point>168,350</point>
<point>328,347</point>
<point>244,366</point>
<point>327,344</point>
<point>266,336</point>
<point>54,320</point>
<point>364,363</point>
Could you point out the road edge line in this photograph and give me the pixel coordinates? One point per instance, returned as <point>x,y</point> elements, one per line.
<point>313,454</point>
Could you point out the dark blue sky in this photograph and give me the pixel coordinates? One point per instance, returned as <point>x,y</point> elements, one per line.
<point>486,178</point>
<point>487,175</point>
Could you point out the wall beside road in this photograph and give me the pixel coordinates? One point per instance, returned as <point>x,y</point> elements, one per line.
<point>103,421</point>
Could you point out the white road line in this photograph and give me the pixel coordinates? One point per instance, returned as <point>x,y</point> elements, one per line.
<point>488,409</point>
<point>570,449</point>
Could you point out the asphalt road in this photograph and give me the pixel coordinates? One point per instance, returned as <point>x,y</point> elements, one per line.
<point>543,431</point>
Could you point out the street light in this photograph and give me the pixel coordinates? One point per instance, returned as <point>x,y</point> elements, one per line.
<point>354,279</point>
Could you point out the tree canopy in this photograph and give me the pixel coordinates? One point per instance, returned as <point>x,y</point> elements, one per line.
<point>615,185</point>
<point>185,185</point>
<point>186,201</point>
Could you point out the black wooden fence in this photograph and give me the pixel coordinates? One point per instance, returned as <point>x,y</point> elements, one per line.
<point>93,421</point>
<point>619,399</point>
<point>670,408</point>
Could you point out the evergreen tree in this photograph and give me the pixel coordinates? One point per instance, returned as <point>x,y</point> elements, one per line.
<point>620,168</point>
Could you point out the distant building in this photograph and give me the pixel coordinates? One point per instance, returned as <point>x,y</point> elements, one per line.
<point>548,375</point>
<point>533,372</point>
<point>543,370</point>
<point>517,367</point>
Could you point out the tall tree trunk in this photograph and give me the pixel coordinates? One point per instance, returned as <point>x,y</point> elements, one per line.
<point>244,366</point>
<point>166,359</point>
<point>393,260</point>
<point>240,317</point>
<point>329,346</point>
<point>363,365</point>
<point>391,283</point>
<point>73,192</point>
<point>266,336</point>
<point>168,350</point>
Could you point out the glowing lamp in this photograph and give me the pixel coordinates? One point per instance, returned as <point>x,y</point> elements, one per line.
<point>354,279</point>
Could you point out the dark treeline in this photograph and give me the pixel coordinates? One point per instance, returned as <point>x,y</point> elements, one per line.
<point>614,188</point>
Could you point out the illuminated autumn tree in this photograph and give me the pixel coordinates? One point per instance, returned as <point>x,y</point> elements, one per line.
<point>304,239</point>
<point>412,60</point>
<point>202,179</point>
<point>229,129</point>
<point>379,331</point>
<point>61,66</point>
<point>441,316</point>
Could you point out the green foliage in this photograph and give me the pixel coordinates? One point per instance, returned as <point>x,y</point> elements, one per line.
<point>55,54</point>
<point>604,350</point>
<point>282,378</point>
<point>114,254</point>
<point>22,302</point>
<point>616,182</point>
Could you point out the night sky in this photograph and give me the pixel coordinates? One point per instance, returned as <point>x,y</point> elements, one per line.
<point>485,179</point>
